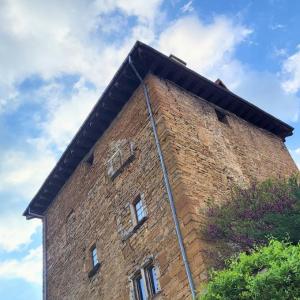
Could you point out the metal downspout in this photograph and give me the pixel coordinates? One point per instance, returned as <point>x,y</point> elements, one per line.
<point>45,296</point>
<point>44,223</point>
<point>166,182</point>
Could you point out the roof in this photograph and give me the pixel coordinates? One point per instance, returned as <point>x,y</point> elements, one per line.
<point>118,92</point>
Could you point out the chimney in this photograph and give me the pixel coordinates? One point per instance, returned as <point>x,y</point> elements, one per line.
<point>178,60</point>
<point>222,84</point>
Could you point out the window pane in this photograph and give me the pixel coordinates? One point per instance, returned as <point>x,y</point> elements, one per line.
<point>141,291</point>
<point>153,280</point>
<point>140,210</point>
<point>139,205</point>
<point>94,257</point>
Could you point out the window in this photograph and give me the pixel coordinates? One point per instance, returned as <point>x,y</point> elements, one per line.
<point>131,216</point>
<point>95,260</point>
<point>70,227</point>
<point>153,279</point>
<point>140,288</point>
<point>140,211</point>
<point>145,283</point>
<point>221,116</point>
<point>89,159</point>
<point>95,264</point>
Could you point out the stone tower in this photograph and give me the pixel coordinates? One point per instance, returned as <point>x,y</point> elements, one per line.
<point>122,208</point>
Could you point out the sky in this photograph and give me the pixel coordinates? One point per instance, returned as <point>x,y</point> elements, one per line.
<point>56,57</point>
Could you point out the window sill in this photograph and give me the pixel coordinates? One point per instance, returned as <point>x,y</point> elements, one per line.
<point>94,271</point>
<point>139,224</point>
<point>134,229</point>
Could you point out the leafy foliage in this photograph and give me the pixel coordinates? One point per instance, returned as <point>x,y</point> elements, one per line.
<point>271,208</point>
<point>269,272</point>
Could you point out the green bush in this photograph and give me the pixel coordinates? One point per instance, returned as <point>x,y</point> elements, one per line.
<point>270,272</point>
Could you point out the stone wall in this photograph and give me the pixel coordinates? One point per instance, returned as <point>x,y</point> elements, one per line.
<point>94,207</point>
<point>207,157</point>
<point>204,158</point>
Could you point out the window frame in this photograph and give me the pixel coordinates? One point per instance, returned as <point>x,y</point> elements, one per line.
<point>151,288</point>
<point>70,226</point>
<point>153,281</point>
<point>138,281</point>
<point>94,263</point>
<point>134,215</point>
<point>94,256</point>
<point>139,210</point>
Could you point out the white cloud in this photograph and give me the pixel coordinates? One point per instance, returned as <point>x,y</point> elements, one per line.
<point>59,124</point>
<point>199,44</point>
<point>291,70</point>
<point>16,232</point>
<point>264,90</point>
<point>200,48</point>
<point>146,11</point>
<point>22,172</point>
<point>28,268</point>
<point>32,42</point>
<point>65,113</point>
<point>53,38</point>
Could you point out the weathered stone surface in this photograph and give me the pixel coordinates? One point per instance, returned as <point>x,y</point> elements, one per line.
<point>204,158</point>
<point>207,156</point>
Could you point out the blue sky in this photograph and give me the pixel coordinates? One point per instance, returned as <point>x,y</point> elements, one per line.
<point>56,57</point>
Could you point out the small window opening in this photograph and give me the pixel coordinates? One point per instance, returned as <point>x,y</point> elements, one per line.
<point>140,210</point>
<point>145,283</point>
<point>221,116</point>
<point>90,158</point>
<point>153,280</point>
<point>95,260</point>
<point>70,227</point>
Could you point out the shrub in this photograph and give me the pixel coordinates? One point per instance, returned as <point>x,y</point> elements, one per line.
<point>269,272</point>
<point>252,215</point>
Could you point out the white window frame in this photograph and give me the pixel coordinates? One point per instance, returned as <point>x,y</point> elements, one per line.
<point>133,211</point>
<point>150,279</point>
<point>94,256</point>
<point>143,272</point>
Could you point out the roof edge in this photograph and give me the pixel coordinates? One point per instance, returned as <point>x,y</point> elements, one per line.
<point>117,93</point>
